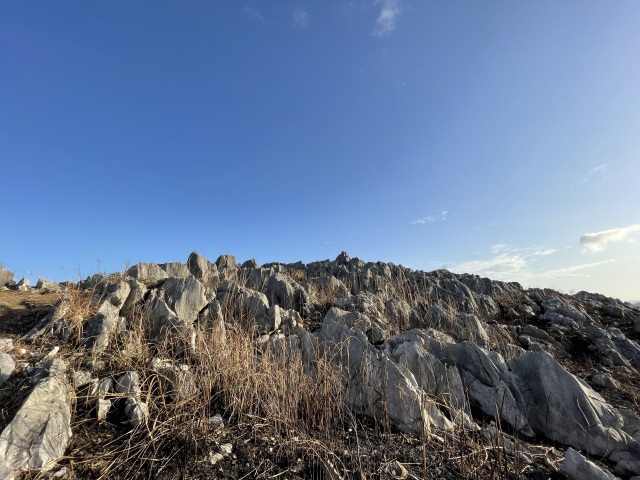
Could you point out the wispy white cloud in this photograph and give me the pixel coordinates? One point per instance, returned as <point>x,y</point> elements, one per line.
<point>254,13</point>
<point>300,19</point>
<point>386,21</point>
<point>600,169</point>
<point>534,251</point>
<point>503,265</point>
<point>507,262</point>
<point>575,271</point>
<point>595,242</point>
<point>440,217</point>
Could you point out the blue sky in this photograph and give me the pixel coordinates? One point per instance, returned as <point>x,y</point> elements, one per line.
<point>495,137</point>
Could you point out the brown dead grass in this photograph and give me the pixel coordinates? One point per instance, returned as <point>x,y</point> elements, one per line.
<point>19,311</point>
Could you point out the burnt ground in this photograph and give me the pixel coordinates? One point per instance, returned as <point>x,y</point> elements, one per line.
<point>260,453</point>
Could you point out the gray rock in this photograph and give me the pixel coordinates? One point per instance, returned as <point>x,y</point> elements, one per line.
<point>6,473</point>
<point>136,410</point>
<point>96,281</point>
<point>164,324</point>
<point>250,307</point>
<point>6,345</point>
<point>626,467</point>
<point>564,409</point>
<point>375,330</point>
<point>185,296</point>
<point>128,384</point>
<point>7,366</point>
<point>22,285</point>
<point>377,386</point>
<point>537,333</point>
<point>47,286</point>
<point>487,381</point>
<point>6,276</point>
<point>469,327</point>
<point>328,287</point>
<point>176,381</point>
<point>290,319</point>
<point>283,291</point>
<point>613,345</point>
<point>137,293</point>
<point>100,328</point>
<point>227,267</point>
<point>367,303</point>
<point>81,378</point>
<point>103,406</point>
<point>577,467</point>
<point>342,259</point>
<point>628,348</point>
<point>604,380</point>
<point>100,388</point>
<point>151,274</point>
<point>399,314</point>
<point>250,264</point>
<point>434,377</point>
<point>561,311</point>
<point>212,321</point>
<point>175,269</point>
<point>201,268</point>
<point>40,431</point>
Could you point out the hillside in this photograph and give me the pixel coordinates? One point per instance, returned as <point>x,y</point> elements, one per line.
<point>331,369</point>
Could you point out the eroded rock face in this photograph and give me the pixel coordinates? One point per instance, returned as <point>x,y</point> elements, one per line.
<point>562,408</point>
<point>287,293</point>
<point>165,325</point>
<point>249,305</point>
<point>375,330</point>
<point>151,274</point>
<point>439,380</point>
<point>103,324</point>
<point>40,431</point>
<point>185,296</point>
<point>376,385</point>
<point>487,381</point>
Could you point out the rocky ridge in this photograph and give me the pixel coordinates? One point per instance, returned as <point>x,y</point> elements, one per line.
<point>425,354</point>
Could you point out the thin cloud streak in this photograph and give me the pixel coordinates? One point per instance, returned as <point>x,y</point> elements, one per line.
<point>440,217</point>
<point>596,242</point>
<point>575,271</point>
<point>594,171</point>
<point>507,263</point>
<point>386,21</point>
